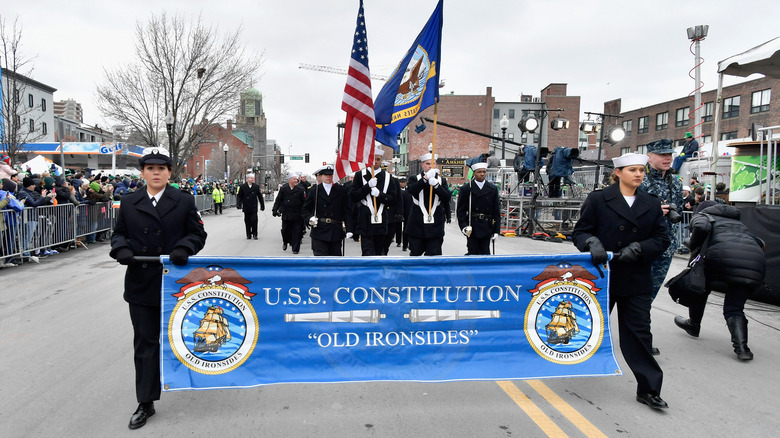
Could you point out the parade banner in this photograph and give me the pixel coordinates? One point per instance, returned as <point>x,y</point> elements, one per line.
<point>244,322</point>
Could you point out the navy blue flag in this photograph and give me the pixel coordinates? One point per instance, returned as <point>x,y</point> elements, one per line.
<point>413,86</point>
<point>244,322</point>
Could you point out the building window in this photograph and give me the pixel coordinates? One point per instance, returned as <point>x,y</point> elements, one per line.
<point>496,113</point>
<point>511,114</point>
<point>661,121</point>
<point>709,110</point>
<point>760,101</point>
<point>679,143</point>
<point>681,117</point>
<point>729,135</point>
<point>16,95</point>
<point>32,125</point>
<point>731,107</point>
<point>524,138</point>
<point>43,104</point>
<point>18,122</point>
<point>644,123</point>
<point>641,149</point>
<point>706,139</point>
<point>30,99</point>
<point>537,137</point>
<point>44,128</point>
<point>625,150</point>
<point>510,136</point>
<point>628,125</point>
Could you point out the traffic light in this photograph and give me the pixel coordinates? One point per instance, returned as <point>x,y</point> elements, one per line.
<point>306,157</point>
<point>281,158</point>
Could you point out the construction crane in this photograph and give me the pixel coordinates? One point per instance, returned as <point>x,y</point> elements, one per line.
<point>336,70</point>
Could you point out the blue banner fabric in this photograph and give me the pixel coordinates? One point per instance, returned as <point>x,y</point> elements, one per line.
<point>413,85</point>
<point>244,322</point>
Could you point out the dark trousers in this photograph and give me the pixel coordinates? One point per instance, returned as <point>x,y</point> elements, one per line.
<point>146,345</point>
<point>393,232</point>
<point>420,245</point>
<point>326,248</point>
<point>250,222</point>
<point>217,208</point>
<point>399,232</point>
<point>733,303</point>
<point>636,340</point>
<point>477,246</point>
<point>292,233</point>
<point>372,245</point>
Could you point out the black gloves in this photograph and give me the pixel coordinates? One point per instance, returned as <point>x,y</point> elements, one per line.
<point>597,252</point>
<point>630,254</point>
<point>125,256</point>
<point>179,256</point>
<point>275,212</point>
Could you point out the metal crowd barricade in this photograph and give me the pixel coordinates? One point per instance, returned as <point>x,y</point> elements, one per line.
<point>93,222</point>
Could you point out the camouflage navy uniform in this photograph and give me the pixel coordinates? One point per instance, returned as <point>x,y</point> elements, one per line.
<point>668,188</point>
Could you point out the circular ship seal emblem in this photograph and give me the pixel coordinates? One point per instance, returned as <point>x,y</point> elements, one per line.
<point>564,322</point>
<point>415,77</point>
<point>213,328</point>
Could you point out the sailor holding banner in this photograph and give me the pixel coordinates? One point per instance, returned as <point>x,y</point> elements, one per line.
<point>479,211</point>
<point>372,191</point>
<point>425,220</point>
<point>326,210</point>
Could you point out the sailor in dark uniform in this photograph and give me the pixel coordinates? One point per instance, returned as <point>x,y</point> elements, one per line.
<point>249,195</point>
<point>372,193</point>
<point>425,220</point>
<point>152,221</point>
<point>289,205</point>
<point>326,210</point>
<point>631,224</point>
<point>479,212</point>
<point>406,203</point>
<point>395,214</point>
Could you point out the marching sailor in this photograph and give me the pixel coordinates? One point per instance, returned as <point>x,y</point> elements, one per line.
<point>479,211</point>
<point>425,220</point>
<point>326,210</point>
<point>372,191</point>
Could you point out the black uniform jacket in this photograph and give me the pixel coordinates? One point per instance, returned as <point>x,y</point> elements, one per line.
<point>606,215</point>
<point>361,189</point>
<point>248,198</point>
<point>332,212</point>
<point>153,231</point>
<point>485,209</point>
<point>289,203</point>
<point>414,218</point>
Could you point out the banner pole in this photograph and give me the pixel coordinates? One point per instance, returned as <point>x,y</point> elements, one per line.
<point>433,154</point>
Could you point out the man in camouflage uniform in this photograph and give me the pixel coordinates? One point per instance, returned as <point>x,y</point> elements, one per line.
<point>660,181</point>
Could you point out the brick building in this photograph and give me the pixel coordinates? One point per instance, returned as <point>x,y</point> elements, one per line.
<point>743,104</point>
<point>208,159</point>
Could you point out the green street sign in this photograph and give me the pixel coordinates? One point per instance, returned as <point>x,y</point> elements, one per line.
<point>296,157</point>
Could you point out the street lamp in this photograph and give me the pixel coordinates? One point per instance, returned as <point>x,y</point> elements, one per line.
<point>696,34</point>
<point>225,148</point>
<point>503,123</point>
<point>614,135</point>
<point>395,161</point>
<point>169,122</point>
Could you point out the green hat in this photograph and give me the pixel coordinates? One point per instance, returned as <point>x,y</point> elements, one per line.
<point>94,186</point>
<point>688,135</point>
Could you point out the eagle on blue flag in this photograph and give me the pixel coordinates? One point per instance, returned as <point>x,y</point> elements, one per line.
<point>413,86</point>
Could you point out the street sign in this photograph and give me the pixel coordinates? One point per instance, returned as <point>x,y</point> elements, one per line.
<point>296,157</point>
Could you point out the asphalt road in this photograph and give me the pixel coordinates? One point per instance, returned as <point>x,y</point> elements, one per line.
<point>67,370</point>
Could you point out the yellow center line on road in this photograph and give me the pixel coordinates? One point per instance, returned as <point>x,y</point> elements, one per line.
<point>569,412</point>
<point>537,415</point>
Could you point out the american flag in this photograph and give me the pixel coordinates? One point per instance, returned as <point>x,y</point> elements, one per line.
<point>357,148</point>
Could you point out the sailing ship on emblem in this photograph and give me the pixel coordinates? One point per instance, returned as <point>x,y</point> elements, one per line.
<point>214,331</point>
<point>563,325</point>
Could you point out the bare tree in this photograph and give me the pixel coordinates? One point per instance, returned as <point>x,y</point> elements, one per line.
<point>185,69</point>
<point>15,68</point>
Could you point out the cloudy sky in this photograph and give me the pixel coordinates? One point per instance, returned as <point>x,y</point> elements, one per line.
<point>604,49</point>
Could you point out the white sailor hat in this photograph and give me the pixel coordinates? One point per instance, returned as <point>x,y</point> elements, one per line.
<point>326,170</point>
<point>379,151</point>
<point>318,170</point>
<point>630,159</point>
<point>426,157</point>
<point>477,166</point>
<point>291,176</point>
<point>250,175</point>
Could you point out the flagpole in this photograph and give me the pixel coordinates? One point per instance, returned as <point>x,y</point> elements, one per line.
<point>433,152</point>
<point>376,217</point>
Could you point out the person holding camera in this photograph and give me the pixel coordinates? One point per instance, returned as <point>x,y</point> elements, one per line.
<point>630,223</point>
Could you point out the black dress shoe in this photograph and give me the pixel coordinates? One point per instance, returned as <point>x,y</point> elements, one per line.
<point>295,252</point>
<point>144,411</point>
<point>254,237</point>
<point>284,247</point>
<point>248,237</point>
<point>652,400</point>
<point>655,351</point>
<point>687,325</point>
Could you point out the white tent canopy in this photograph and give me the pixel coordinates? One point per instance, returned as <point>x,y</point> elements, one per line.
<point>764,59</point>
<point>40,164</point>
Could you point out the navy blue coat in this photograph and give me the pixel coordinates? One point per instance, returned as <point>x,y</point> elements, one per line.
<point>605,214</point>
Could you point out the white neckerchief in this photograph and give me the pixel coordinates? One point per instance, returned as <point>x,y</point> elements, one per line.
<point>480,184</point>
<point>327,187</point>
<point>630,199</point>
<point>368,202</point>
<point>420,201</point>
